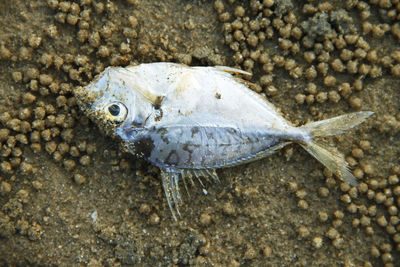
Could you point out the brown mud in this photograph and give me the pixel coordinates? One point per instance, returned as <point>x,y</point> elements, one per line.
<point>69,195</point>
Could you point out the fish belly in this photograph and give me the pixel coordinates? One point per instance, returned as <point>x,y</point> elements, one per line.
<point>205,147</point>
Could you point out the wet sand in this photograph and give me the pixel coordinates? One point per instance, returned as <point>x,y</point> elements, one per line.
<point>70,195</point>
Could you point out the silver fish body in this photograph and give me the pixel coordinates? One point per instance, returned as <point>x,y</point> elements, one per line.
<point>189,121</point>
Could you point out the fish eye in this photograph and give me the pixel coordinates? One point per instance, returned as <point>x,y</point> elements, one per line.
<point>116,111</point>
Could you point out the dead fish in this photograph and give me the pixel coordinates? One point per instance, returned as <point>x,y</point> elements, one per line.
<point>190,121</point>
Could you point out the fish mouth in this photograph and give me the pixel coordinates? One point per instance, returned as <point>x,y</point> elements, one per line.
<point>85,98</point>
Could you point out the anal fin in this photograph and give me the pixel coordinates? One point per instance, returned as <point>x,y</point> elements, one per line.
<point>199,173</point>
<point>213,174</point>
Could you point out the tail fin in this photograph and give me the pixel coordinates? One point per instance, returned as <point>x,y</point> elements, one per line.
<point>336,125</point>
<point>331,158</point>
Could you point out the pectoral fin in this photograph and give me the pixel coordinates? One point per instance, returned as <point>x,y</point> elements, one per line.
<point>154,99</point>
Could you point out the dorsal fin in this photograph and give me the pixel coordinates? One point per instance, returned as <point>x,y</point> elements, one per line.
<point>233,70</point>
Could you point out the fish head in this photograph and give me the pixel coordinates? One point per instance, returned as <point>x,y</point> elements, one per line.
<point>115,102</point>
